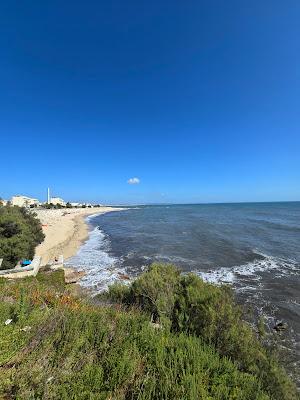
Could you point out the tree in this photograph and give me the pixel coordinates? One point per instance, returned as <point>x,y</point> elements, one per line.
<point>20,233</point>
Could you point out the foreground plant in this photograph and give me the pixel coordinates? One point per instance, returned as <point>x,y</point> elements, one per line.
<point>166,336</point>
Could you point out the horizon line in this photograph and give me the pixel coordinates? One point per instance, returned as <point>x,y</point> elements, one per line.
<point>202,203</point>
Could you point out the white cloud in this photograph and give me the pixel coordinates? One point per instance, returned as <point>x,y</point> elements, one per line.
<point>133,181</point>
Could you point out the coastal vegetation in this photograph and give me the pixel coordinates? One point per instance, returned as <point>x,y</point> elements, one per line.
<point>20,233</point>
<point>51,206</point>
<point>166,336</point>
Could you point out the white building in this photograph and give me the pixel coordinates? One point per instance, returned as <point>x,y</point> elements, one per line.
<point>76,204</point>
<point>57,200</point>
<point>81,204</point>
<point>24,201</point>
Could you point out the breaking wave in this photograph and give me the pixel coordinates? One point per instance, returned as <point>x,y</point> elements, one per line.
<point>278,266</point>
<point>94,259</point>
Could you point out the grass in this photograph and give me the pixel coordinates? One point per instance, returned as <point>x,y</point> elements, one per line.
<point>78,350</point>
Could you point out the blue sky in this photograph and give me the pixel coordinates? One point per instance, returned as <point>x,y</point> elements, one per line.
<point>199,100</point>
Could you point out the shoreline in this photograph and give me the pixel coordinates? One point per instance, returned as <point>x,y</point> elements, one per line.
<point>65,230</point>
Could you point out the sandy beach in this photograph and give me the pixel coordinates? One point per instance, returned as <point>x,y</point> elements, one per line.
<point>65,230</point>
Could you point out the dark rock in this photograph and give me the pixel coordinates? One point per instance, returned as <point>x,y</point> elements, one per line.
<point>280,326</point>
<point>123,276</point>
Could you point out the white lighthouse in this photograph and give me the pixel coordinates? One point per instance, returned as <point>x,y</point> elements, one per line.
<point>48,195</point>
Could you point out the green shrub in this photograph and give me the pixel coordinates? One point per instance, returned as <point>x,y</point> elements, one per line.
<point>118,293</point>
<point>187,304</point>
<point>75,349</point>
<point>20,233</point>
<point>103,353</point>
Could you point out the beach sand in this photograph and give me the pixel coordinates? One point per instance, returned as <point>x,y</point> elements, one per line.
<point>65,230</point>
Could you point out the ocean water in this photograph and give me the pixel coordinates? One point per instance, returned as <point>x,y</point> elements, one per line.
<point>254,247</point>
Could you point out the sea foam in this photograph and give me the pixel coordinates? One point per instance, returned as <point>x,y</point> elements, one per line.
<point>93,257</point>
<point>278,266</point>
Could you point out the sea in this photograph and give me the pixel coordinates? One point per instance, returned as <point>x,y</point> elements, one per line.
<point>253,247</point>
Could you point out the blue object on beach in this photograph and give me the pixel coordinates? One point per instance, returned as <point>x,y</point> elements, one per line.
<point>26,262</point>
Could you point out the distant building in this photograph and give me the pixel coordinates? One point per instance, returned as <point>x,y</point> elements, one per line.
<point>3,202</point>
<point>24,201</point>
<point>76,204</point>
<point>82,205</point>
<point>57,200</point>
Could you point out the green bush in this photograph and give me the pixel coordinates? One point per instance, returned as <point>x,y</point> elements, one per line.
<point>20,233</point>
<point>64,347</point>
<point>187,304</point>
<point>88,352</point>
